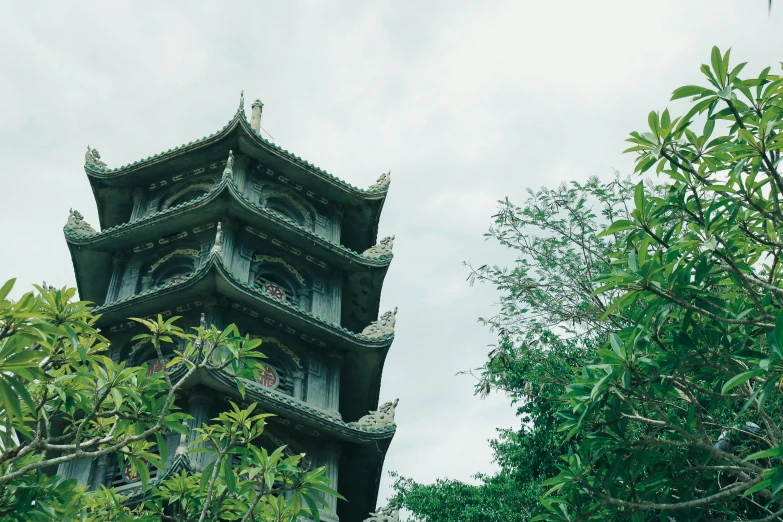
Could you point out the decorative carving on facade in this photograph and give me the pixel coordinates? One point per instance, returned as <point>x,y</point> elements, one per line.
<point>77,224</point>
<point>229,170</point>
<point>197,187</point>
<point>303,210</point>
<point>203,228</point>
<point>271,259</point>
<point>179,252</point>
<point>381,418</point>
<point>285,349</point>
<point>286,246</point>
<point>383,182</point>
<point>256,233</point>
<point>141,248</point>
<point>184,175</point>
<point>382,327</point>
<point>385,514</point>
<point>93,158</point>
<point>217,248</point>
<point>316,261</point>
<point>310,193</point>
<point>173,237</point>
<point>383,248</point>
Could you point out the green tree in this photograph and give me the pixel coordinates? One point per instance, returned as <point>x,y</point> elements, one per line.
<point>678,416</point>
<point>62,399</point>
<point>548,323</point>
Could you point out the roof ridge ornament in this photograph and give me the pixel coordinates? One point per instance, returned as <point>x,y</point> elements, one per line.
<point>228,172</point>
<point>77,224</point>
<point>383,182</point>
<point>93,158</point>
<point>382,248</point>
<point>242,101</point>
<point>382,327</point>
<point>217,248</point>
<point>381,418</point>
<point>387,513</point>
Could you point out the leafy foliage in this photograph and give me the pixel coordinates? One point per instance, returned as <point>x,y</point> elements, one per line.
<point>678,416</point>
<point>63,399</point>
<point>653,331</point>
<point>548,324</point>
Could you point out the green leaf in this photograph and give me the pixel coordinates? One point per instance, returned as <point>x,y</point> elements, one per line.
<point>739,379</point>
<point>764,484</point>
<point>312,507</point>
<point>688,90</point>
<point>10,401</point>
<point>638,197</point>
<point>617,345</point>
<point>618,226</point>
<point>599,386</point>
<point>775,452</point>
<point>716,63</point>
<point>779,330</point>
<point>6,288</point>
<point>206,475</point>
<point>117,396</point>
<point>22,391</point>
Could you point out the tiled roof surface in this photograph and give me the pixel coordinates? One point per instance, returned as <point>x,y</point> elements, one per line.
<point>217,259</point>
<point>276,216</point>
<point>240,118</point>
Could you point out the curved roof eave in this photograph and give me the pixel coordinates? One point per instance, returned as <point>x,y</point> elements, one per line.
<point>215,262</point>
<point>239,120</point>
<point>203,200</point>
<point>274,399</point>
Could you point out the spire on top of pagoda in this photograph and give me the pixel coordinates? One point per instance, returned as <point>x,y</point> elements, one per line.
<point>255,115</point>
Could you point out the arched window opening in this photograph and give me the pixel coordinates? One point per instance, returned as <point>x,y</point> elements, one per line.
<point>284,207</point>
<point>185,194</point>
<point>275,286</point>
<point>174,272</point>
<point>188,196</point>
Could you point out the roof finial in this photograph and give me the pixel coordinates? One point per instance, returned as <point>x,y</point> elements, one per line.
<point>242,101</point>
<point>229,170</point>
<point>217,247</point>
<point>255,115</point>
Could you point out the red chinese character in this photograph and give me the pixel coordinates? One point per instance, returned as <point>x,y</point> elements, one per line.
<point>268,378</point>
<point>129,475</point>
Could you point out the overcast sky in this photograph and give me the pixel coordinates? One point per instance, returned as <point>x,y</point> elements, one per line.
<point>465,102</point>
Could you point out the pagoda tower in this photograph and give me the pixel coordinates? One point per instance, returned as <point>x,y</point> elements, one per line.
<point>234,227</point>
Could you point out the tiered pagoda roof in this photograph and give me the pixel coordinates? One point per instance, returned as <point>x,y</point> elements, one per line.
<point>359,337</point>
<point>113,187</point>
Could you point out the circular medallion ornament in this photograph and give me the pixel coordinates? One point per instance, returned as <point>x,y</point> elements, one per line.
<point>274,290</point>
<point>268,377</point>
<point>156,366</point>
<point>129,475</point>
